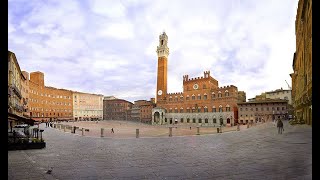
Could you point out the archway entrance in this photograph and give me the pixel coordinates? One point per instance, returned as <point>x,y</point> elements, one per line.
<point>156,116</point>
<point>228,121</point>
<point>170,120</point>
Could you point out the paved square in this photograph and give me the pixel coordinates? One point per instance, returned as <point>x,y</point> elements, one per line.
<point>254,153</point>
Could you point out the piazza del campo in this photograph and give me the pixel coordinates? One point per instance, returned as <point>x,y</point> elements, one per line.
<point>104,129</point>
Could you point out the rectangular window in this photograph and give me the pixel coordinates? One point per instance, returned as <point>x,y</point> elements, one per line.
<point>220,109</point>
<point>199,97</point>
<point>214,110</point>
<point>193,97</point>
<point>205,109</point>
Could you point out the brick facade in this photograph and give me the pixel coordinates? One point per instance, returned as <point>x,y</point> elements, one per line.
<point>202,100</point>
<point>302,63</point>
<point>262,110</point>
<point>117,109</point>
<point>48,103</point>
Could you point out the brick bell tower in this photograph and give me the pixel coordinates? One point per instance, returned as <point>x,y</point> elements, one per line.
<point>163,53</point>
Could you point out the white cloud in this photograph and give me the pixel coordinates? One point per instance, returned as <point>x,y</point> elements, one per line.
<point>97,44</point>
<point>112,9</point>
<point>118,30</point>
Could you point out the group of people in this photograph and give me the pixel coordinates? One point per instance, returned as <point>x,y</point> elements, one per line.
<point>49,124</point>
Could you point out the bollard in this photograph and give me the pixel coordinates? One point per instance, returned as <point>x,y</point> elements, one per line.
<point>170,131</point>
<point>102,132</point>
<point>137,133</point>
<point>198,130</point>
<point>82,131</point>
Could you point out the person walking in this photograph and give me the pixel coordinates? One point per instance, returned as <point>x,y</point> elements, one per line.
<point>112,130</point>
<point>280,126</point>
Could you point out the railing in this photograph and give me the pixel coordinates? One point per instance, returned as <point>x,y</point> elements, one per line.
<point>16,90</point>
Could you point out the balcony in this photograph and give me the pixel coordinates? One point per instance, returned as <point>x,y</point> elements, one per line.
<point>16,91</point>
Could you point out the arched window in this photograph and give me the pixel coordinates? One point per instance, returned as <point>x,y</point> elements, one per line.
<point>226,93</point>
<point>165,119</point>
<point>181,110</point>
<point>213,95</point>
<point>170,110</point>
<point>214,109</point>
<point>188,120</point>
<point>176,98</point>
<point>199,109</point>
<point>187,98</point>
<point>181,120</point>
<point>181,98</point>
<point>193,110</point>
<point>205,109</point>
<point>227,108</point>
<point>194,120</point>
<point>206,120</point>
<point>214,120</point>
<point>199,96</point>
<point>220,109</point>
<point>170,98</point>
<point>200,120</point>
<point>176,110</point>
<point>188,109</point>
<point>193,97</point>
<point>219,94</point>
<point>205,96</point>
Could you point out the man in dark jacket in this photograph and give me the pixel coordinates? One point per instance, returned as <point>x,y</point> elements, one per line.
<point>280,126</point>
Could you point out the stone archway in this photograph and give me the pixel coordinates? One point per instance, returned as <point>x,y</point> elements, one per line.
<point>156,116</point>
<point>228,121</point>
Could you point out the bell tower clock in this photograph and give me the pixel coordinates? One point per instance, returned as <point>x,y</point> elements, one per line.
<point>163,52</point>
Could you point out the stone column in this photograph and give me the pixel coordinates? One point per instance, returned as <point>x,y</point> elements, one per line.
<point>198,130</point>
<point>137,133</point>
<point>82,131</point>
<point>170,131</point>
<point>102,132</point>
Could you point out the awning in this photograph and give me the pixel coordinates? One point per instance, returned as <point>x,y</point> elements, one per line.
<point>20,118</point>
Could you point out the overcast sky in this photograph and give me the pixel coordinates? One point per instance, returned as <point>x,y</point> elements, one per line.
<point>109,46</point>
